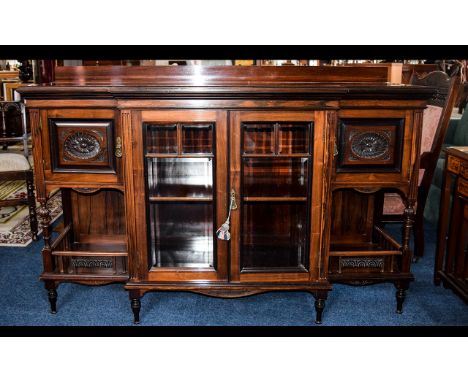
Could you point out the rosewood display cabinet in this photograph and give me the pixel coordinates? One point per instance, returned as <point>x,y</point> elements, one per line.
<point>224,181</point>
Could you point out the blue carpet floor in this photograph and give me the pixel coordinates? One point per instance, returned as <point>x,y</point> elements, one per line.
<point>24,301</point>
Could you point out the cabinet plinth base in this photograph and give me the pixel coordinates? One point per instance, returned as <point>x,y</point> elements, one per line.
<point>138,289</point>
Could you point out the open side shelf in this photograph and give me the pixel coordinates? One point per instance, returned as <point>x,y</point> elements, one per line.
<point>383,244</point>
<point>379,255</point>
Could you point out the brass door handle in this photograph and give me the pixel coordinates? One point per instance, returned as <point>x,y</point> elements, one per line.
<point>118,147</point>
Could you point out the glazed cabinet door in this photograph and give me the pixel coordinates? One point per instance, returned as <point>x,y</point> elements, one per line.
<point>276,173</point>
<point>181,185</point>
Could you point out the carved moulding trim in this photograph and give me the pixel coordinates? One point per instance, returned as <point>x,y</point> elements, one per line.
<point>361,262</point>
<point>367,190</point>
<point>83,262</point>
<point>86,190</point>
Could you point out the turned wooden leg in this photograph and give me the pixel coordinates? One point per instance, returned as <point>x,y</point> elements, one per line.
<point>31,205</point>
<point>319,306</point>
<point>136,305</point>
<point>400,295</point>
<point>52,293</point>
<point>320,298</point>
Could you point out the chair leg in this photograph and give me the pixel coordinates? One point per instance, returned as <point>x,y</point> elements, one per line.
<point>31,205</point>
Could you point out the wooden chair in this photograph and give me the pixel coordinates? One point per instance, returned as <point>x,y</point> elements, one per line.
<point>15,165</point>
<point>436,119</point>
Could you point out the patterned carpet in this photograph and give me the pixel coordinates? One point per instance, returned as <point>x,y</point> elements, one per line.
<point>15,230</point>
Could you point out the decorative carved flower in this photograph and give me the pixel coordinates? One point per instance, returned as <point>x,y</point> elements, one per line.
<point>82,145</point>
<point>369,145</point>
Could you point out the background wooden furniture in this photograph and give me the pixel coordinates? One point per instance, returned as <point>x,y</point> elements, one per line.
<point>451,264</point>
<point>14,165</point>
<point>165,155</point>
<point>394,70</point>
<point>410,70</point>
<point>436,119</point>
<point>9,90</point>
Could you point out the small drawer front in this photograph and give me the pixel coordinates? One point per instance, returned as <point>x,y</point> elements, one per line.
<point>453,164</point>
<point>462,187</point>
<point>464,170</point>
<point>370,145</point>
<point>82,145</point>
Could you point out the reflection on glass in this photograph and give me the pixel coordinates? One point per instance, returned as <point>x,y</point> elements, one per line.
<point>274,235</point>
<point>293,138</point>
<point>161,139</point>
<point>182,234</point>
<point>197,138</point>
<point>258,138</point>
<point>275,176</point>
<point>180,177</point>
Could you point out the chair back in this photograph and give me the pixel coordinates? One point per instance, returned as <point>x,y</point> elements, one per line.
<point>436,119</point>
<point>13,125</point>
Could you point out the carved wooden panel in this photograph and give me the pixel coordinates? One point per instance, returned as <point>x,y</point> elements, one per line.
<point>92,265</point>
<point>91,262</point>
<point>82,145</point>
<point>361,262</point>
<point>370,145</point>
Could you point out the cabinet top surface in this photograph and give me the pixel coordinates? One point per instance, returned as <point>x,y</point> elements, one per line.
<point>458,151</point>
<point>223,82</point>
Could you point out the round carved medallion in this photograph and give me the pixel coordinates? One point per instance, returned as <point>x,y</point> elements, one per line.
<point>370,145</point>
<point>82,146</point>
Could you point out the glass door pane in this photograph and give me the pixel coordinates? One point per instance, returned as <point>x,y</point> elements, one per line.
<point>258,138</point>
<point>275,182</point>
<point>182,234</point>
<point>275,176</point>
<point>274,235</point>
<point>161,139</point>
<point>180,187</point>
<point>197,138</point>
<point>180,177</point>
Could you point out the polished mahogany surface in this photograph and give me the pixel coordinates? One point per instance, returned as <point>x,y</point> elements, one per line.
<point>286,160</point>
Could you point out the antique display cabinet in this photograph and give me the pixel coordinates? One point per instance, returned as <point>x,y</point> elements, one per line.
<point>224,181</point>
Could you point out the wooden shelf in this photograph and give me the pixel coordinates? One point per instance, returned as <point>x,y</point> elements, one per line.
<point>386,245</point>
<point>277,156</point>
<point>94,249</point>
<point>184,156</point>
<point>180,199</point>
<point>274,199</point>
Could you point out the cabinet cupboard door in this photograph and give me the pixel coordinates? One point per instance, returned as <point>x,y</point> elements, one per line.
<point>276,172</point>
<point>81,147</point>
<point>184,155</point>
<point>374,147</point>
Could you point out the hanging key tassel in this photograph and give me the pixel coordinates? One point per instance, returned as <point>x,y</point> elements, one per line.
<point>223,231</point>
